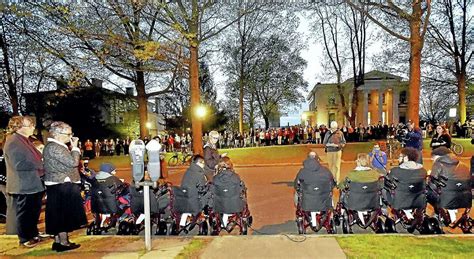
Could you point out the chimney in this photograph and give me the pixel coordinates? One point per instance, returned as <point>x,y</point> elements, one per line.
<point>129,91</point>
<point>97,82</point>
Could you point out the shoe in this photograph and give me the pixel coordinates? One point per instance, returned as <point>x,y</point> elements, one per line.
<point>58,247</point>
<point>30,244</point>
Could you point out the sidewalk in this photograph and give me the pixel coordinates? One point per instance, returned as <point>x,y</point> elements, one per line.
<point>221,247</point>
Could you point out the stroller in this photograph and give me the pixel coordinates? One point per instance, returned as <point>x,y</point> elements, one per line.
<point>159,209</point>
<point>186,212</point>
<point>359,204</point>
<point>314,207</point>
<point>406,201</point>
<point>230,209</point>
<point>454,193</point>
<point>108,208</point>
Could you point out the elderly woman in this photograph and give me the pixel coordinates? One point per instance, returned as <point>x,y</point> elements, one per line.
<point>211,156</point>
<point>24,170</point>
<point>64,210</point>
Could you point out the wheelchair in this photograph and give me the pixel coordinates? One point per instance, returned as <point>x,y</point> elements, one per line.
<point>314,207</point>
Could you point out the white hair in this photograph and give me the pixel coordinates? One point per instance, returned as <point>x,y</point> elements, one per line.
<point>333,125</point>
<point>57,128</point>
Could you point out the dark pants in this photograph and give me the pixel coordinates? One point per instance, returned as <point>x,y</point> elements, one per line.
<point>28,209</point>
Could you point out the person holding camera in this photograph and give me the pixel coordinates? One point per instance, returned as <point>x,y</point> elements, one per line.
<point>64,209</point>
<point>414,139</point>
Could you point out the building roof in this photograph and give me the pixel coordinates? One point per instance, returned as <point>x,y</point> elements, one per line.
<point>369,76</point>
<point>377,75</point>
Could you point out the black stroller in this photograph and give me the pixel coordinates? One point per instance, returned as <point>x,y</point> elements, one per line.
<point>314,206</point>
<point>406,200</point>
<point>108,208</point>
<point>454,193</point>
<point>182,202</point>
<point>230,209</point>
<point>359,204</point>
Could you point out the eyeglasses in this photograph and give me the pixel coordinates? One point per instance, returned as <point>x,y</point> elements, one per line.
<point>67,134</point>
<point>28,126</point>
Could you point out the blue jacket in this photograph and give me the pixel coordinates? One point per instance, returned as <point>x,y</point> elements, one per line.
<point>379,159</point>
<point>414,139</point>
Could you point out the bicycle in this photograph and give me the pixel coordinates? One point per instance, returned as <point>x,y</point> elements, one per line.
<point>184,159</point>
<point>457,149</point>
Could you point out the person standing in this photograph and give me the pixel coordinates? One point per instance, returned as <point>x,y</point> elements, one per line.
<point>334,142</point>
<point>64,209</point>
<point>414,139</point>
<point>211,156</point>
<point>441,138</point>
<point>24,185</point>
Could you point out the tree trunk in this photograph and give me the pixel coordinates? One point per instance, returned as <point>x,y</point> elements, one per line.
<point>142,104</point>
<point>12,92</point>
<point>462,96</point>
<point>267,122</point>
<point>416,46</point>
<point>241,101</point>
<point>195,100</point>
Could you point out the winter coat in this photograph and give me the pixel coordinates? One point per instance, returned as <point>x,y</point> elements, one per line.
<point>227,189</point>
<point>315,183</point>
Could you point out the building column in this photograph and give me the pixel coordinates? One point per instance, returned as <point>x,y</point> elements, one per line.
<point>395,101</point>
<point>380,111</point>
<point>365,105</point>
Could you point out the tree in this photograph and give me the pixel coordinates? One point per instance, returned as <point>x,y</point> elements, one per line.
<point>417,22</point>
<point>118,36</point>
<point>452,31</point>
<point>436,102</point>
<point>276,77</point>
<point>196,21</point>
<point>354,26</point>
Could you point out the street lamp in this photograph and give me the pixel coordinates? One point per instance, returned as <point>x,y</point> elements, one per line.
<point>148,125</point>
<point>200,111</point>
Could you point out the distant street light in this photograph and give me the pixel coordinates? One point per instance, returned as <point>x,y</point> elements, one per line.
<point>304,116</point>
<point>148,125</point>
<point>201,111</point>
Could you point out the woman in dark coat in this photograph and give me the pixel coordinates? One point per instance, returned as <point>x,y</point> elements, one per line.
<point>64,210</point>
<point>441,138</point>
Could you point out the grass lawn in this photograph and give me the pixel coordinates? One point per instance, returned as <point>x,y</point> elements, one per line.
<point>283,154</point>
<point>379,246</point>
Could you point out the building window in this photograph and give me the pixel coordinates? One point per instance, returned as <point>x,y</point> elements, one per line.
<point>403,97</point>
<point>332,100</point>
<point>383,98</point>
<point>369,98</point>
<point>368,118</point>
<point>383,117</point>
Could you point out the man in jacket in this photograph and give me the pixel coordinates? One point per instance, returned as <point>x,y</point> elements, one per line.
<point>195,182</point>
<point>24,172</point>
<point>334,142</point>
<point>414,139</point>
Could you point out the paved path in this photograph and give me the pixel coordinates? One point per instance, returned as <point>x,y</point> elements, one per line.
<point>275,247</point>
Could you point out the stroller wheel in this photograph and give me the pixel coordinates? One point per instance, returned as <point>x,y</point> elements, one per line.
<point>300,225</point>
<point>380,226</point>
<point>244,223</point>
<point>172,228</point>
<point>426,227</point>
<point>435,226</point>
<point>203,229</point>
<point>123,228</point>
<point>390,225</point>
<point>332,227</point>
<point>346,228</point>
<point>90,229</point>
<point>161,228</point>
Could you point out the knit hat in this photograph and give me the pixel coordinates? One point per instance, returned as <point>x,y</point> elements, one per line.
<point>441,151</point>
<point>107,167</point>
